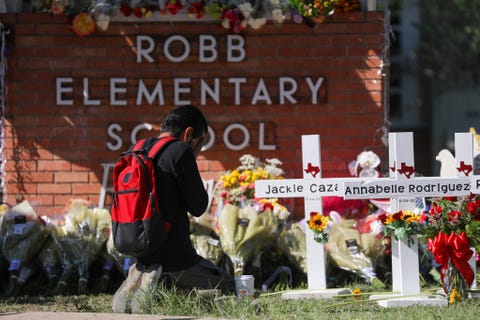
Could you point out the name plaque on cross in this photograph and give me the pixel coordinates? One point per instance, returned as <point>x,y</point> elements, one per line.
<point>293,188</point>
<point>475,184</point>
<point>419,187</point>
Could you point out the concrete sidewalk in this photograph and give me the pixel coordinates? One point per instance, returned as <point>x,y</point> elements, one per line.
<point>91,315</point>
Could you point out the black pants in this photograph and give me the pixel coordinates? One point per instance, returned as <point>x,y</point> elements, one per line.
<point>204,275</point>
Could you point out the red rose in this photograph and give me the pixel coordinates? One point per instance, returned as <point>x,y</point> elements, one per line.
<point>126,10</point>
<point>450,198</point>
<point>382,217</point>
<point>397,216</point>
<point>454,216</point>
<point>435,210</point>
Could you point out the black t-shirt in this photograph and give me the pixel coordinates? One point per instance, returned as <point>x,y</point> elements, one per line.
<point>181,190</point>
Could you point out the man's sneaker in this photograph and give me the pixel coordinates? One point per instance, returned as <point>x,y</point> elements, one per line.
<point>121,298</point>
<point>149,279</point>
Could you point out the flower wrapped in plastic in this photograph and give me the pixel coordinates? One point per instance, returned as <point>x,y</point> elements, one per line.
<point>293,244</point>
<point>452,229</point>
<point>112,260</point>
<point>23,236</point>
<point>245,232</point>
<point>206,242</point>
<point>120,261</point>
<point>49,255</point>
<point>345,247</point>
<point>247,225</point>
<point>80,239</point>
<point>3,261</point>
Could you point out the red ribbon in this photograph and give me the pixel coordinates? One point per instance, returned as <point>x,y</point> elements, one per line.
<point>455,247</point>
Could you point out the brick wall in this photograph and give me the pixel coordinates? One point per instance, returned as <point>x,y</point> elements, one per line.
<point>55,152</point>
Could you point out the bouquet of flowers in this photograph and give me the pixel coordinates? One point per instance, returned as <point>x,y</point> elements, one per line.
<point>238,185</point>
<point>453,227</point>
<point>49,255</point>
<point>248,225</point>
<point>244,232</point>
<point>292,242</point>
<point>80,239</point>
<point>319,224</point>
<point>23,235</point>
<point>313,10</point>
<point>402,224</point>
<point>206,242</point>
<point>112,259</point>
<point>349,249</point>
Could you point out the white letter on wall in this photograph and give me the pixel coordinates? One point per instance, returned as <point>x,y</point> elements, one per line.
<point>112,133</point>
<point>236,83</point>
<point>61,89</point>
<point>143,92</point>
<point>246,136</point>
<point>209,47</point>
<point>133,134</point>
<point>314,88</point>
<point>86,95</point>
<point>114,91</point>
<point>235,43</point>
<point>261,93</point>
<point>261,139</point>
<point>177,90</point>
<point>167,53</point>
<point>287,94</point>
<point>145,52</point>
<point>212,93</point>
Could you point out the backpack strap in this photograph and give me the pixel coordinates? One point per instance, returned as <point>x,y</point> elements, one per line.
<point>157,147</point>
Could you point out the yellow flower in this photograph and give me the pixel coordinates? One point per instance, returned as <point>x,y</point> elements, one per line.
<point>357,292</point>
<point>318,222</point>
<point>454,296</point>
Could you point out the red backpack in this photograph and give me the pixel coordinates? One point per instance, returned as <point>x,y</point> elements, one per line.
<point>138,228</point>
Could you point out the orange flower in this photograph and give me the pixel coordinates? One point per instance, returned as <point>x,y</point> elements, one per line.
<point>83,24</point>
<point>357,293</point>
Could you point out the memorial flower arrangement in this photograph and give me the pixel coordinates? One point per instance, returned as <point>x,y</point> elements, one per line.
<point>245,232</point>
<point>85,16</point>
<point>317,10</point>
<point>23,235</point>
<point>80,238</point>
<point>238,185</point>
<point>402,224</point>
<point>452,229</point>
<point>319,224</point>
<point>246,224</point>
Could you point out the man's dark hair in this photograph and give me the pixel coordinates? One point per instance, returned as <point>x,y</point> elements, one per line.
<point>183,117</point>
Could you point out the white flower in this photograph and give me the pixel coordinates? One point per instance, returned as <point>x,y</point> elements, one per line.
<point>275,2</point>
<point>257,23</point>
<point>278,16</point>
<point>376,227</point>
<point>248,162</point>
<point>246,9</point>
<point>272,167</point>
<point>226,23</point>
<point>368,159</point>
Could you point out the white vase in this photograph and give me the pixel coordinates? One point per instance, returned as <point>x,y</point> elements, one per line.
<point>13,6</point>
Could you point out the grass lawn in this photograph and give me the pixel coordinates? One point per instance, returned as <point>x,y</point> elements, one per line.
<point>265,306</point>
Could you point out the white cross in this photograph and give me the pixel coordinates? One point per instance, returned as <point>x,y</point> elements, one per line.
<point>398,187</point>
